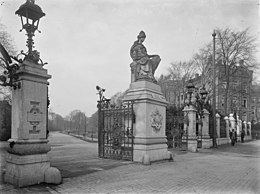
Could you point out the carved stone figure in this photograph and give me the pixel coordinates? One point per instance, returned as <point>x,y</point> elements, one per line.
<point>144,65</point>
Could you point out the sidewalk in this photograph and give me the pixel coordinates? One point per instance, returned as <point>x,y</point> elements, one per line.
<point>189,173</point>
<point>222,170</point>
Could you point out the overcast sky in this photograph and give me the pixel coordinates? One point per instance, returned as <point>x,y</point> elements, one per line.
<point>87,42</point>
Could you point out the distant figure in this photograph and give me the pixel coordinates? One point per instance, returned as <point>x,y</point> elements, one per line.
<point>143,65</point>
<point>232,136</point>
<point>242,135</point>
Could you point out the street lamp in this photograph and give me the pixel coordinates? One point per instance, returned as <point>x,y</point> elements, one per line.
<point>200,103</point>
<point>214,93</point>
<point>190,88</point>
<point>30,14</point>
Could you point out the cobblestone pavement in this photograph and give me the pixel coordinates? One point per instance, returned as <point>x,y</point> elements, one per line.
<point>224,170</point>
<point>189,173</point>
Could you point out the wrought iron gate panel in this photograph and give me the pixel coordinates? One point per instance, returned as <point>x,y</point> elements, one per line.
<point>117,132</point>
<point>175,132</point>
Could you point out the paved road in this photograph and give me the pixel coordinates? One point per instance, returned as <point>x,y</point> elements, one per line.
<point>224,170</point>
<point>75,157</point>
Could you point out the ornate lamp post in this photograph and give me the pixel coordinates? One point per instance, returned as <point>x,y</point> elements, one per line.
<point>200,104</point>
<point>30,14</point>
<point>27,162</point>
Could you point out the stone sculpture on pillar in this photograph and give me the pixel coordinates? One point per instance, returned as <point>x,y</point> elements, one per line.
<point>143,66</point>
<point>149,106</point>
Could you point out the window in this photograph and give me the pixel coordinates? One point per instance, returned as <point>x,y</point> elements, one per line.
<point>222,101</point>
<point>244,103</point>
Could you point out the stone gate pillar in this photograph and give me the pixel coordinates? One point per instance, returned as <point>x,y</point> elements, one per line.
<point>206,141</point>
<point>218,125</point>
<point>192,138</point>
<point>27,162</point>
<point>232,122</point>
<point>227,126</point>
<point>245,129</point>
<point>250,130</point>
<point>150,119</point>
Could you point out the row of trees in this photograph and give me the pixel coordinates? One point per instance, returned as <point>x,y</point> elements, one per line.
<point>234,49</point>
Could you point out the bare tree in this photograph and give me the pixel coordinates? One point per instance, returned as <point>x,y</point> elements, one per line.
<point>234,50</point>
<point>8,42</point>
<point>178,74</point>
<point>202,61</point>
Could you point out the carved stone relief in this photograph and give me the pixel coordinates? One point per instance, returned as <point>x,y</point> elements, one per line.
<point>156,120</point>
<point>34,117</point>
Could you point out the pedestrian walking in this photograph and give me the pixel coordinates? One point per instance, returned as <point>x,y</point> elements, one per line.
<point>242,135</point>
<point>232,136</point>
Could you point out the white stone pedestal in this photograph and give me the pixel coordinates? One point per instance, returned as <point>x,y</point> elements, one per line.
<point>27,162</point>
<point>206,141</point>
<point>190,111</point>
<point>149,128</point>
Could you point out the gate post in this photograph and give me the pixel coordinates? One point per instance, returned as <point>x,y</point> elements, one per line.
<point>150,143</point>
<point>190,110</point>
<point>27,162</point>
<point>206,141</point>
<point>249,128</point>
<point>227,128</point>
<point>218,125</point>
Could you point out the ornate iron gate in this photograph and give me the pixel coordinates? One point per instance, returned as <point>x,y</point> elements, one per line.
<point>116,131</point>
<point>175,133</point>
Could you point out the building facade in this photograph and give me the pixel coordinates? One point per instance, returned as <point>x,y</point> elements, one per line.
<point>242,97</point>
<point>255,104</point>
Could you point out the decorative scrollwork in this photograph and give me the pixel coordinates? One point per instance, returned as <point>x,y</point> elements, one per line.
<point>156,120</point>
<point>10,66</point>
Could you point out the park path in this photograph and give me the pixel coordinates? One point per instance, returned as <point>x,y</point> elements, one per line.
<point>75,157</point>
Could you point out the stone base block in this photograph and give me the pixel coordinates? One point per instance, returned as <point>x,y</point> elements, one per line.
<point>192,144</point>
<point>150,153</point>
<point>221,141</point>
<point>52,175</point>
<point>206,142</point>
<point>26,170</point>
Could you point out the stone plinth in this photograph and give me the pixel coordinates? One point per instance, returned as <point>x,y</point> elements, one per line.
<point>190,111</point>
<point>149,127</point>
<point>218,125</point>
<point>27,162</point>
<point>227,126</point>
<point>206,141</point>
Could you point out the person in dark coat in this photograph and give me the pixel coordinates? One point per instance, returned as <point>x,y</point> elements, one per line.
<point>232,136</point>
<point>242,135</point>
